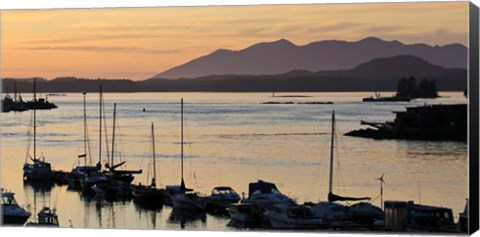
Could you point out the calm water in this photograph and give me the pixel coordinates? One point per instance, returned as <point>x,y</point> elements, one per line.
<point>231,139</point>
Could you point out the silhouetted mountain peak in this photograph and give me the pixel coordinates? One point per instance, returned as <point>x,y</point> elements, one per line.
<point>282,56</point>
<point>372,39</point>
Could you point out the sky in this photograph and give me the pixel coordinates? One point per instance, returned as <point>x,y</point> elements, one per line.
<point>137,43</point>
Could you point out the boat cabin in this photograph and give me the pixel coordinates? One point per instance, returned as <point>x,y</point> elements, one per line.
<point>261,187</point>
<point>408,216</point>
<point>8,199</point>
<point>47,216</point>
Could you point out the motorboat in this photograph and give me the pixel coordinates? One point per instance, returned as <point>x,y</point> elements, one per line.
<point>293,216</point>
<point>248,214</point>
<point>265,195</point>
<point>223,195</point>
<point>12,213</point>
<point>46,218</point>
<point>410,217</point>
<point>366,214</point>
<point>221,198</point>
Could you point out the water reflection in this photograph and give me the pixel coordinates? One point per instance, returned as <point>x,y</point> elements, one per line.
<point>184,217</point>
<point>40,191</point>
<point>233,141</point>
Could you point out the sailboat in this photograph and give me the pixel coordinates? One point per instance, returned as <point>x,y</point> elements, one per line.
<point>114,183</point>
<point>362,213</point>
<point>91,178</point>
<point>125,176</point>
<point>73,178</point>
<point>182,197</point>
<point>150,195</point>
<point>39,169</point>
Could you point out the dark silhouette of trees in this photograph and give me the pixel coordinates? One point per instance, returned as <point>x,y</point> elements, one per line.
<point>407,88</point>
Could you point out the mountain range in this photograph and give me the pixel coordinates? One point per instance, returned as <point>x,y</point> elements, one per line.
<point>282,56</point>
<point>379,74</point>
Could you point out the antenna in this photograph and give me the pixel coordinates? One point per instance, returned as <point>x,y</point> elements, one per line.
<point>381,188</point>
<point>419,197</point>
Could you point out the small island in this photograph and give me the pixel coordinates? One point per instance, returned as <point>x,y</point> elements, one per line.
<point>407,90</point>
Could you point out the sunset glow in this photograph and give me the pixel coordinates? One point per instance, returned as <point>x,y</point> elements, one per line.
<point>138,43</point>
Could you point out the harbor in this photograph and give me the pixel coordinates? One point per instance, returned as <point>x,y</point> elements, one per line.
<point>228,141</point>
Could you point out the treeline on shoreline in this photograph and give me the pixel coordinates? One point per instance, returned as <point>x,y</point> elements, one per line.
<point>219,84</point>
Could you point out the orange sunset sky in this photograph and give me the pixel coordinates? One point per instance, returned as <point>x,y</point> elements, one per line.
<point>137,43</point>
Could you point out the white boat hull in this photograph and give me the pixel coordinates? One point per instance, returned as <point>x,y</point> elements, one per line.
<point>181,201</point>
<point>279,221</point>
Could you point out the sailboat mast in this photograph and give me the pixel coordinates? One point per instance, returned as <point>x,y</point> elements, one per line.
<point>154,164</point>
<point>181,141</point>
<point>85,126</point>
<point>34,119</point>
<point>100,129</point>
<point>15,91</point>
<point>113,132</point>
<point>331,152</point>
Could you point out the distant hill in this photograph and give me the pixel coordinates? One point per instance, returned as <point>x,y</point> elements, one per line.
<point>381,74</point>
<point>283,56</point>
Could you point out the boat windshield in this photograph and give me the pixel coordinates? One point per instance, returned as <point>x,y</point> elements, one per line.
<point>8,200</point>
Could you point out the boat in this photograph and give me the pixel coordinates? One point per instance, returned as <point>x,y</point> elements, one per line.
<point>115,182</point>
<point>12,213</point>
<point>125,176</point>
<point>39,169</point>
<point>15,104</point>
<point>40,103</point>
<point>186,198</point>
<point>88,179</point>
<point>46,218</point>
<point>221,198</point>
<point>73,178</point>
<point>265,195</point>
<point>189,200</point>
<point>358,215</point>
<point>463,219</point>
<point>293,216</point>
<point>150,195</point>
<point>246,214</point>
<point>406,216</point>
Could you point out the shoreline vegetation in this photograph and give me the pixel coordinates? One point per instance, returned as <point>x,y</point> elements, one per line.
<point>381,75</point>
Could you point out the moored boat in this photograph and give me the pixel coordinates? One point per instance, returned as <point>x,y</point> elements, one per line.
<point>12,213</point>
<point>39,169</point>
<point>221,198</point>
<point>293,216</point>
<point>183,197</point>
<point>248,214</point>
<point>46,218</point>
<point>265,195</point>
<point>150,195</point>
